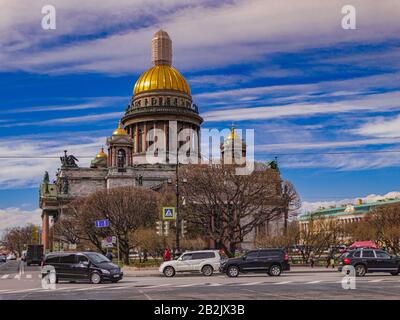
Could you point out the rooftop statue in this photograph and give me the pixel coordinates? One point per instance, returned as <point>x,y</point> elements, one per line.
<point>68,161</point>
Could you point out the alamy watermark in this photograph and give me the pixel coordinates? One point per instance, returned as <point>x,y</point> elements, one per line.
<point>219,146</point>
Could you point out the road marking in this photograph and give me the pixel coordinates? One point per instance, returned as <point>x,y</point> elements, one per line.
<point>188,285</point>
<point>91,288</point>
<point>17,276</point>
<point>377,280</point>
<point>29,276</point>
<point>312,282</point>
<point>5,276</point>
<point>215,284</point>
<point>158,286</point>
<point>251,283</point>
<point>283,282</point>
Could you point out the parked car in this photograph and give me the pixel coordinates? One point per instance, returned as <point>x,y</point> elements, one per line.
<point>370,260</point>
<point>3,258</point>
<point>34,254</point>
<point>11,256</point>
<point>77,266</point>
<point>204,261</point>
<point>271,261</point>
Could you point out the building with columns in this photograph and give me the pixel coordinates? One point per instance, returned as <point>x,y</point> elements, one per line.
<point>344,214</point>
<point>142,151</point>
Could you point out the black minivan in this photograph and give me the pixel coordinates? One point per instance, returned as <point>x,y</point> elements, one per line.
<point>76,266</point>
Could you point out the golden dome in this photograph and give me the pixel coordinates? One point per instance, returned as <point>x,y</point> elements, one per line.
<point>161,77</point>
<point>101,154</point>
<point>119,131</point>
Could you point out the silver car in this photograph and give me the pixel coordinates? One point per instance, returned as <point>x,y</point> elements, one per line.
<point>204,261</point>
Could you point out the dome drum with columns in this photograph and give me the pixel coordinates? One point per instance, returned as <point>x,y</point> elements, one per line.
<point>160,95</point>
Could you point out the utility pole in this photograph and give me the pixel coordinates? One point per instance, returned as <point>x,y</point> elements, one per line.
<point>177,234</point>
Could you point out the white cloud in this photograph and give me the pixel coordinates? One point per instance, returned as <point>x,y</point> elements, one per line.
<point>26,171</point>
<point>205,35</point>
<point>13,217</point>
<point>369,103</point>
<point>93,103</point>
<point>308,206</point>
<point>382,128</point>
<point>324,144</point>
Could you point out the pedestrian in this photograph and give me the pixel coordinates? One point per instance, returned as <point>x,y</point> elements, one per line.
<point>312,259</point>
<point>167,254</point>
<point>332,260</point>
<point>109,256</point>
<point>328,260</point>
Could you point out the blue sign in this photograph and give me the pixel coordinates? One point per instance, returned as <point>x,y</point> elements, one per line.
<point>102,223</point>
<point>168,213</point>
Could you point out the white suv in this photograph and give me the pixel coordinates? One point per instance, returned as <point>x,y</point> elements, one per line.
<point>205,261</point>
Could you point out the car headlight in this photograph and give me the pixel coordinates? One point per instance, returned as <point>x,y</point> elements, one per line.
<point>105,271</point>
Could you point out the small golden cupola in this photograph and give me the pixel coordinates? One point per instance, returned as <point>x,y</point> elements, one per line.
<point>119,131</point>
<point>101,154</point>
<point>232,136</point>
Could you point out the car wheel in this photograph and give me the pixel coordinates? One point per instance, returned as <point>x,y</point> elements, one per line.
<point>360,270</point>
<point>233,271</point>
<point>395,273</point>
<point>275,270</point>
<point>169,272</point>
<point>95,278</point>
<point>207,271</point>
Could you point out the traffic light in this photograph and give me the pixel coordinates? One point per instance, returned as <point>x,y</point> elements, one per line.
<point>166,227</point>
<point>183,227</point>
<point>159,228</point>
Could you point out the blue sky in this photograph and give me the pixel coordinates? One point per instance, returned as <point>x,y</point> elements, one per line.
<point>323,99</point>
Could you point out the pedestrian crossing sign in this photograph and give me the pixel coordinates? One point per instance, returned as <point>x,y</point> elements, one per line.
<point>168,213</point>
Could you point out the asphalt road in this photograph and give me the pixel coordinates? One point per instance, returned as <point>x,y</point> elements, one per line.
<point>25,283</point>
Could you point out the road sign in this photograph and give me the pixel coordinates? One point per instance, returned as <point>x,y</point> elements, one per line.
<point>102,223</point>
<point>106,244</point>
<point>168,213</point>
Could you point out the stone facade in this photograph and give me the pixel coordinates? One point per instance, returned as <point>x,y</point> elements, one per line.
<point>161,103</point>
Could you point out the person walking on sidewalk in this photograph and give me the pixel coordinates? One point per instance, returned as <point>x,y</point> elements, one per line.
<point>332,260</point>
<point>167,255</point>
<point>312,259</point>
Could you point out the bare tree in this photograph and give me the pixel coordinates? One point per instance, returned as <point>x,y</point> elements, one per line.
<point>15,239</point>
<point>227,206</point>
<point>127,209</point>
<point>381,225</point>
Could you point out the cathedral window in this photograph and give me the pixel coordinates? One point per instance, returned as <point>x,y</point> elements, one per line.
<point>168,101</point>
<point>121,158</point>
<point>160,101</point>
<point>175,102</point>
<point>153,101</point>
<point>146,102</point>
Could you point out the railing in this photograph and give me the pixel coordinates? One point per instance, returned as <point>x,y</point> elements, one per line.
<point>175,109</point>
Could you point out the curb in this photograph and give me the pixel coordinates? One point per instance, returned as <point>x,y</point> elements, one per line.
<point>292,271</point>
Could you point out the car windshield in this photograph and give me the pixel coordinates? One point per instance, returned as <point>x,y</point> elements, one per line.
<point>97,257</point>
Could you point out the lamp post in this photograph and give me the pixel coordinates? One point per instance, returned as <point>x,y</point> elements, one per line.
<point>177,237</point>
<point>177,206</point>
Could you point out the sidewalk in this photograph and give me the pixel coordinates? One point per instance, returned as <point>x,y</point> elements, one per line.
<point>153,272</point>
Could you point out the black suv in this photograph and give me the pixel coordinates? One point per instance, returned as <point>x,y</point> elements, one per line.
<point>75,266</point>
<point>370,260</point>
<point>272,261</point>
